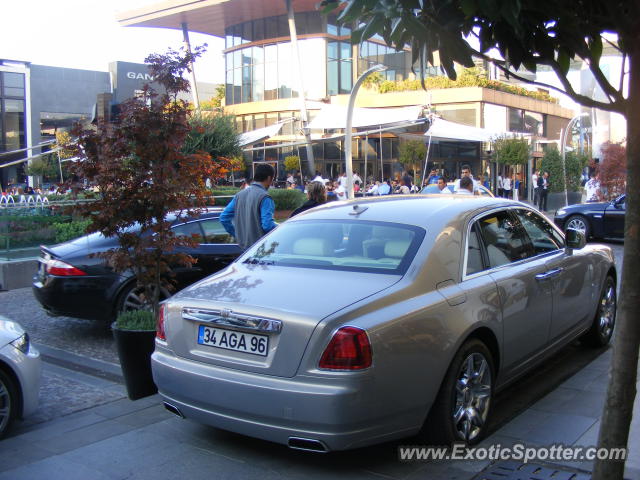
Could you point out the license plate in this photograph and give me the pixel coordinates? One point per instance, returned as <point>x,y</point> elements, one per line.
<point>231,340</point>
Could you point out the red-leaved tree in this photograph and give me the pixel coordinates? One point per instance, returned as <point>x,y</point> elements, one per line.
<point>612,170</point>
<point>144,179</point>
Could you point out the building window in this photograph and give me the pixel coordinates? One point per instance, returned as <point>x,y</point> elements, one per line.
<point>339,68</point>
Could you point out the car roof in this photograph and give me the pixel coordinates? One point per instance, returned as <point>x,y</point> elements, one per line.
<point>417,209</point>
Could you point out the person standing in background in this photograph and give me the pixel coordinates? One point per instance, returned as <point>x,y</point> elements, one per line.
<point>506,186</point>
<point>543,185</point>
<point>249,215</point>
<point>534,184</point>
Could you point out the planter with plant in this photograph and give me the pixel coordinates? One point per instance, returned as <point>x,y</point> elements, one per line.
<point>146,179</point>
<point>134,333</point>
<point>564,177</point>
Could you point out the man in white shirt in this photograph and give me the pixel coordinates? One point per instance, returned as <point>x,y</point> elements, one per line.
<point>536,191</point>
<point>373,189</point>
<point>592,187</point>
<point>506,186</point>
<point>466,172</point>
<point>442,185</point>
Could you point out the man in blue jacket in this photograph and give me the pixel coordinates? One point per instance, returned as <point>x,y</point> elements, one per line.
<point>249,215</point>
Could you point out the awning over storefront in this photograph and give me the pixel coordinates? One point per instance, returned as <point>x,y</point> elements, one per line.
<point>335,116</point>
<point>261,134</point>
<point>456,131</point>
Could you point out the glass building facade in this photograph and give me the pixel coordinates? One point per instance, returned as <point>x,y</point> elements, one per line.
<point>259,62</point>
<point>12,124</point>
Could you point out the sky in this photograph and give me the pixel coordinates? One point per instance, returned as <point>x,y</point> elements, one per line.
<point>84,34</point>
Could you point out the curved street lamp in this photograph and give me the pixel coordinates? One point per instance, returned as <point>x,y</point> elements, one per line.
<point>563,140</point>
<point>347,136</point>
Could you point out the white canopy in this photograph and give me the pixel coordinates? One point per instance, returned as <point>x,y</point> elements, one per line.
<point>255,136</point>
<point>335,116</point>
<point>455,131</point>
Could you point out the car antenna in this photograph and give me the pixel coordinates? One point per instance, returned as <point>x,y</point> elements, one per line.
<point>357,210</point>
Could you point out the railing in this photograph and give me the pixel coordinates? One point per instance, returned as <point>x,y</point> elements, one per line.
<point>26,222</point>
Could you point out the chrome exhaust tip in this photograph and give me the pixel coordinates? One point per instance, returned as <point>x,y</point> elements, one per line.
<point>173,409</point>
<point>307,445</point>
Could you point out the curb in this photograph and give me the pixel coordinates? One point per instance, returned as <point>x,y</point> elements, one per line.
<point>80,363</point>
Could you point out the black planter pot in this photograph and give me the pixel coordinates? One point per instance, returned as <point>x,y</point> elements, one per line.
<point>134,349</point>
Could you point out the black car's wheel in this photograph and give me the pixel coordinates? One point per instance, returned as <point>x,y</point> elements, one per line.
<point>8,403</point>
<point>604,321</point>
<point>134,297</point>
<point>461,409</point>
<point>580,223</point>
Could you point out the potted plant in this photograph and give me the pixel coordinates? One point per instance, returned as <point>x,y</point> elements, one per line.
<point>134,332</point>
<point>146,181</point>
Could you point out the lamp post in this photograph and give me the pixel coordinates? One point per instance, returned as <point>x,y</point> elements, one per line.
<point>563,140</point>
<point>347,136</point>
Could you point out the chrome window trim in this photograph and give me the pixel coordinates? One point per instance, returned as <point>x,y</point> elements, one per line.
<point>512,208</point>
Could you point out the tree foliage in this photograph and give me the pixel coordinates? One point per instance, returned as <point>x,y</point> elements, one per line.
<point>510,150</point>
<point>214,103</point>
<point>143,174</point>
<point>213,133</point>
<point>612,170</point>
<point>570,175</point>
<point>292,163</point>
<point>412,152</point>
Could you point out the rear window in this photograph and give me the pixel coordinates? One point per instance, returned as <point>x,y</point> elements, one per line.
<point>376,247</point>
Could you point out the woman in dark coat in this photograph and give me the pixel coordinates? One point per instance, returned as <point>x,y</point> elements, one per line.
<point>317,196</point>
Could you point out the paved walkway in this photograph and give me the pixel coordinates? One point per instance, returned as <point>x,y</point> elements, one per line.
<point>122,439</point>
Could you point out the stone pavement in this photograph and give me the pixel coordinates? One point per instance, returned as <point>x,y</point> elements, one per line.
<point>121,439</point>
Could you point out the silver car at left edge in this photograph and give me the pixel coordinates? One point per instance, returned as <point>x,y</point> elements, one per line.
<point>361,322</point>
<point>20,371</point>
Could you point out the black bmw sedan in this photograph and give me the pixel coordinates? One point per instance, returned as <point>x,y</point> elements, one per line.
<point>73,282</point>
<point>598,220</point>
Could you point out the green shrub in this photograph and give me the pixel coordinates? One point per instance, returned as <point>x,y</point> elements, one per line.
<point>136,320</point>
<point>224,192</point>
<point>71,230</point>
<point>574,163</point>
<point>287,199</point>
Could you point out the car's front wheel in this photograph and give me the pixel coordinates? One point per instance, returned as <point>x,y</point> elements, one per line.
<point>8,403</point>
<point>604,320</point>
<point>580,223</point>
<point>461,410</point>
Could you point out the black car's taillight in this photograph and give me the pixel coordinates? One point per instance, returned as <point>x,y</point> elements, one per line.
<point>62,269</point>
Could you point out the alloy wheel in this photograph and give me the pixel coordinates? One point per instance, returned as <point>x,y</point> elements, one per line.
<point>607,310</point>
<point>5,406</point>
<point>136,299</point>
<point>578,224</point>
<point>472,397</point>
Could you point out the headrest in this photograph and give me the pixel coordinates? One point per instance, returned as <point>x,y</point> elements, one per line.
<point>318,247</point>
<point>396,248</point>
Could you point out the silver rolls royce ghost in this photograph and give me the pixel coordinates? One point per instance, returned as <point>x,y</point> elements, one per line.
<point>361,322</point>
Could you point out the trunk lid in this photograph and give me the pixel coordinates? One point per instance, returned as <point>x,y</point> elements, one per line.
<point>278,306</point>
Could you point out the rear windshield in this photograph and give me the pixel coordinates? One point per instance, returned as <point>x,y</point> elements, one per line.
<point>376,247</point>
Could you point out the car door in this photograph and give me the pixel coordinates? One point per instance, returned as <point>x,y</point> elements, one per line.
<point>218,249</point>
<point>614,218</point>
<point>568,275</point>
<point>525,301</point>
<point>186,275</point>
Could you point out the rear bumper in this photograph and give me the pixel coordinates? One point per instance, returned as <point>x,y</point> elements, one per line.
<point>88,297</point>
<point>341,413</point>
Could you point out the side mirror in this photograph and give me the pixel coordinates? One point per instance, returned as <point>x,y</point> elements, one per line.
<point>575,239</point>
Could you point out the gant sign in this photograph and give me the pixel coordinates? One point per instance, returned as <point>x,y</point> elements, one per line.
<point>140,76</point>
<point>127,78</point>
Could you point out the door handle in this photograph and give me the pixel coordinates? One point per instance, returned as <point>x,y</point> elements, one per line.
<point>549,274</point>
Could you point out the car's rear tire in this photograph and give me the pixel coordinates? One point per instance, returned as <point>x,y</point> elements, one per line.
<point>133,297</point>
<point>8,402</point>
<point>580,223</point>
<point>460,412</point>
<point>604,320</point>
